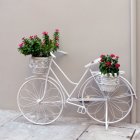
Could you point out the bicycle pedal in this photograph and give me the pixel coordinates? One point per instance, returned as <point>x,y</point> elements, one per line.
<point>81,110</point>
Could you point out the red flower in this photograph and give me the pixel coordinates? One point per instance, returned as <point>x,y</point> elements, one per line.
<point>45,33</point>
<point>57,45</point>
<point>21,45</point>
<point>57,30</point>
<point>117,65</point>
<point>117,57</point>
<point>108,64</point>
<point>102,56</point>
<point>112,55</point>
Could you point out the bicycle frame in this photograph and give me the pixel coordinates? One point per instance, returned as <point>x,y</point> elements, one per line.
<point>66,93</point>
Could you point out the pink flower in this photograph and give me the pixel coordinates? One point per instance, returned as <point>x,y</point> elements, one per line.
<point>21,45</point>
<point>31,37</point>
<point>57,30</point>
<point>117,57</point>
<point>101,60</point>
<point>43,42</point>
<point>45,33</point>
<point>57,45</point>
<point>112,55</point>
<point>23,38</point>
<point>35,36</point>
<point>117,65</point>
<point>57,38</point>
<point>102,56</point>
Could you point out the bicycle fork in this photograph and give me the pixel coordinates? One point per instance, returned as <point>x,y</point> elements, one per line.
<point>45,88</point>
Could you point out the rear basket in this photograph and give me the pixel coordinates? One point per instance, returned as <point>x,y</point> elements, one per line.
<point>107,84</point>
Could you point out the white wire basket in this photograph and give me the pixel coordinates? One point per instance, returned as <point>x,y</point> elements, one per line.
<point>39,65</point>
<point>107,84</point>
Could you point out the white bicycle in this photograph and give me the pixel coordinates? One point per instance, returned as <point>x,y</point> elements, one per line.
<point>41,99</point>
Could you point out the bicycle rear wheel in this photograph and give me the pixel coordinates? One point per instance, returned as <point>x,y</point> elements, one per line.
<point>107,107</point>
<point>33,108</point>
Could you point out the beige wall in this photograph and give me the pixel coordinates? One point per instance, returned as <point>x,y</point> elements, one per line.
<point>88,28</point>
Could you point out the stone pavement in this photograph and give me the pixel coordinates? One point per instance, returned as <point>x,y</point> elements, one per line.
<point>14,127</point>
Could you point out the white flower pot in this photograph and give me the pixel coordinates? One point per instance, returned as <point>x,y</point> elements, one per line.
<point>39,65</point>
<point>109,84</point>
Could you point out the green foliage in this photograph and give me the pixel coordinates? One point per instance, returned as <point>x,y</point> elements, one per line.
<point>109,65</point>
<point>39,47</point>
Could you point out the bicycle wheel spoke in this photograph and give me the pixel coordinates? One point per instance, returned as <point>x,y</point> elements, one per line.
<point>119,90</point>
<point>30,94</point>
<point>45,116</point>
<point>93,89</point>
<point>51,98</point>
<point>55,105</point>
<point>119,102</point>
<point>28,105</point>
<point>36,109</point>
<point>117,107</point>
<point>98,108</point>
<point>26,99</point>
<point>34,89</point>
<point>42,87</point>
<point>112,111</point>
<point>125,105</point>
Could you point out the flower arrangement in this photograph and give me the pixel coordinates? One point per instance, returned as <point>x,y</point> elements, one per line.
<point>38,47</point>
<point>109,65</point>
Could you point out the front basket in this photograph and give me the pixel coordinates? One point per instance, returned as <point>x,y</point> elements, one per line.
<point>39,65</point>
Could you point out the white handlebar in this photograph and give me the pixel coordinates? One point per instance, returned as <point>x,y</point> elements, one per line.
<point>52,54</point>
<point>93,62</point>
<point>88,65</point>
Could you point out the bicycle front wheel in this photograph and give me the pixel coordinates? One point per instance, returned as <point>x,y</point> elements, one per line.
<point>107,107</point>
<point>33,107</point>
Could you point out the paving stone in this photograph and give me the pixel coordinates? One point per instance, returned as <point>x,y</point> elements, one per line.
<point>136,126</point>
<point>95,132</point>
<point>127,125</point>
<point>13,126</point>
<point>23,131</point>
<point>137,136</point>
<point>61,120</point>
<point>8,115</point>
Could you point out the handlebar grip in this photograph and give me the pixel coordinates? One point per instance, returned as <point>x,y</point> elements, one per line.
<point>52,55</point>
<point>63,52</point>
